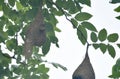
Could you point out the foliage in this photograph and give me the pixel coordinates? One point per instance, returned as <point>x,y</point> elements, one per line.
<point>116,70</point>
<point>116,67</point>
<point>17,16</point>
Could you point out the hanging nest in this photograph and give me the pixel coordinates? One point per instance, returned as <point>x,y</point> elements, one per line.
<point>84,70</point>
<point>35,34</point>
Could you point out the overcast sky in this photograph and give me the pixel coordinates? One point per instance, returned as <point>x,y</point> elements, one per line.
<point>71,51</point>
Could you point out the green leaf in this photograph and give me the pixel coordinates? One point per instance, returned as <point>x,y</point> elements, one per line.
<point>118,17</point>
<point>51,34</point>
<point>83,16</point>
<point>49,4</point>
<point>11,44</point>
<point>56,12</point>
<point>94,37</point>
<point>53,19</point>
<point>11,2</point>
<point>82,34</point>
<point>16,69</point>
<point>13,15</point>
<point>24,2</point>
<point>117,9</point>
<point>75,23</point>
<point>61,3</point>
<point>113,37</point>
<point>116,70</point>
<point>96,46</point>
<point>118,45</point>
<point>103,47</point>
<point>89,26</point>
<point>115,1</point>
<point>33,76</point>
<point>7,55</point>
<point>6,9</point>
<point>56,65</point>
<point>118,62</point>
<point>43,76</point>
<point>71,7</point>
<point>19,6</point>
<point>35,49</point>
<point>10,32</point>
<point>62,67</point>
<point>78,6</point>
<point>34,3</point>
<point>111,50</point>
<point>86,2</point>
<point>57,29</point>
<point>46,47</point>
<point>1,2</point>
<point>42,68</point>
<point>3,36</point>
<point>0,8</point>
<point>102,35</point>
<point>55,41</point>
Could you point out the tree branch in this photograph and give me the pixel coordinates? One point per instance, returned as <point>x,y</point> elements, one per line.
<point>65,13</point>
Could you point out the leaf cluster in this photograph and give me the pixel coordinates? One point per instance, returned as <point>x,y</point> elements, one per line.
<point>117,9</point>
<point>116,67</point>
<point>16,17</point>
<point>116,70</point>
<point>103,37</point>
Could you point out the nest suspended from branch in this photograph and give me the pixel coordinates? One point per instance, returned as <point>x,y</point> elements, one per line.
<point>85,69</point>
<point>35,34</point>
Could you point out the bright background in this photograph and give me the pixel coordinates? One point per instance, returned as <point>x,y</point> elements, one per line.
<point>71,51</point>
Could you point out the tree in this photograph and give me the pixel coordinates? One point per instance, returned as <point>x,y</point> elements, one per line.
<point>19,15</point>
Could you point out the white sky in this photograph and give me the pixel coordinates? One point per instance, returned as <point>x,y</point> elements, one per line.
<point>71,51</point>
